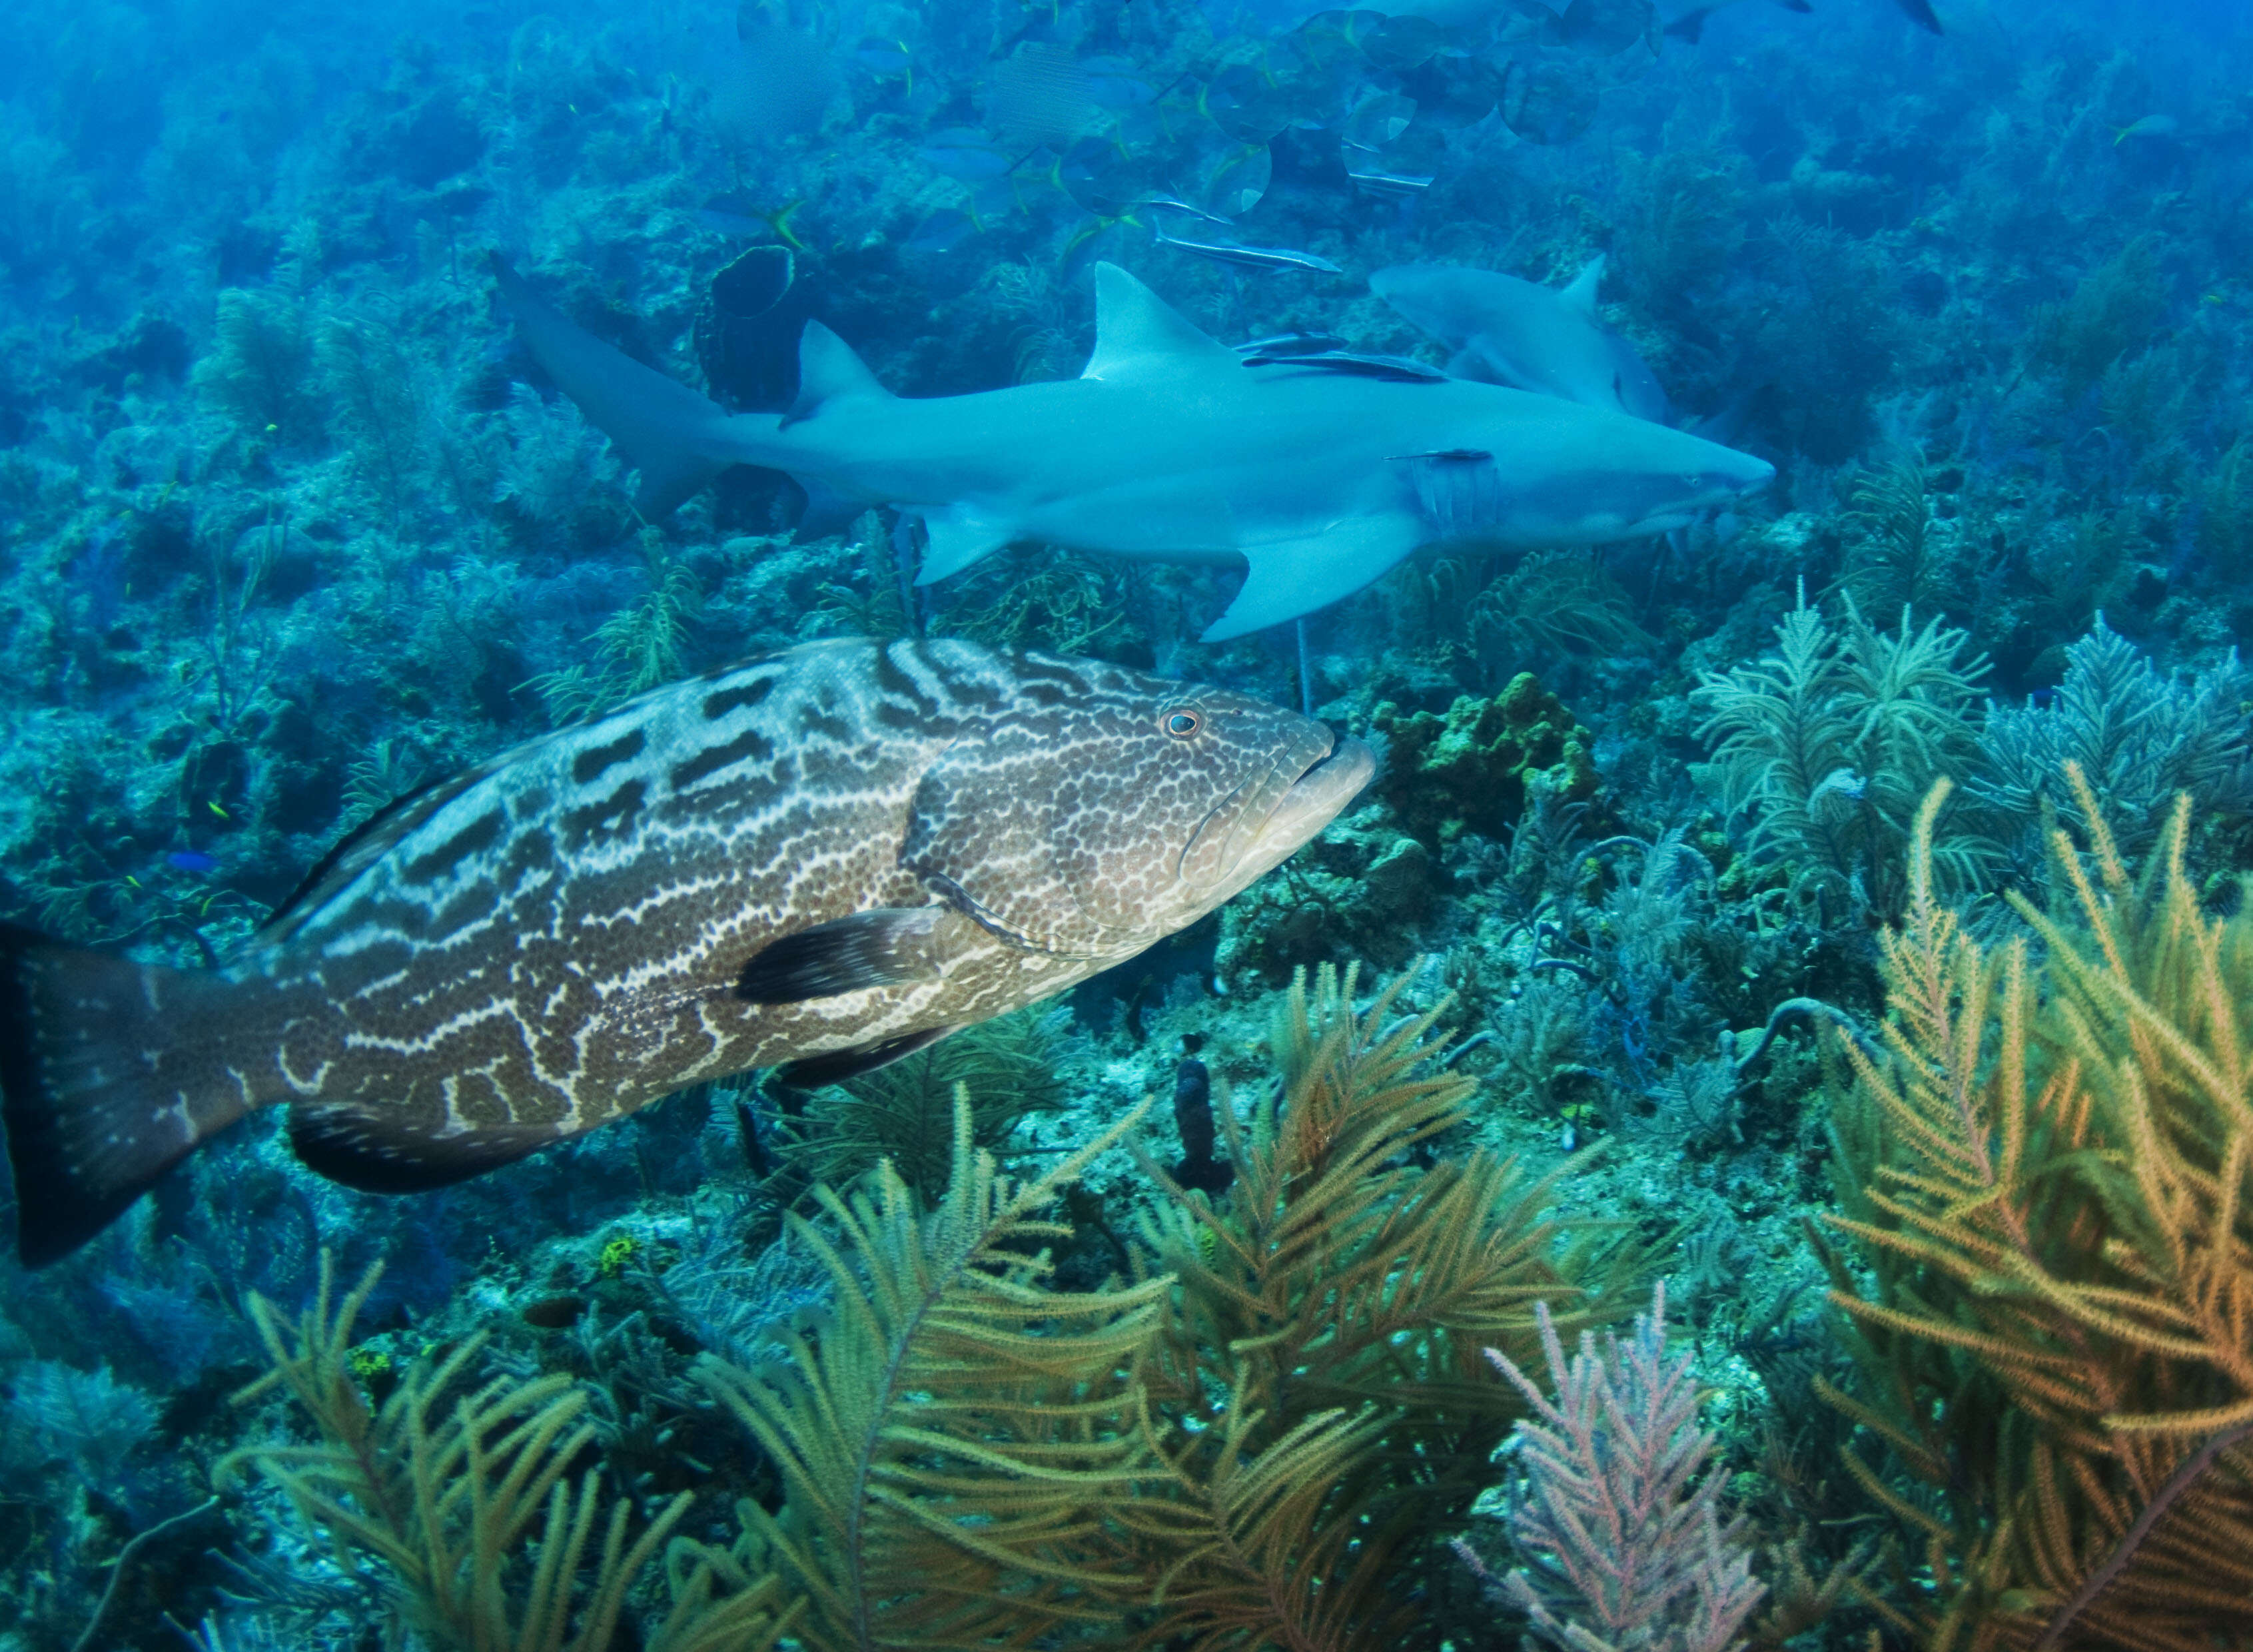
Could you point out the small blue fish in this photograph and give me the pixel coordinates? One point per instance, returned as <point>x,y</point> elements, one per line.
<point>971,156</point>
<point>1114,83</point>
<point>886,58</point>
<point>191,860</point>
<point>943,232</point>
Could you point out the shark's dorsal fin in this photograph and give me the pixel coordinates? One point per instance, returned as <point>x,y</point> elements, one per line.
<point>1580,297</point>
<point>1137,333</point>
<point>827,372</point>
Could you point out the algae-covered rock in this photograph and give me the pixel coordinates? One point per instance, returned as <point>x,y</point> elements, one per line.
<point>1467,771</point>
<point>1359,890</point>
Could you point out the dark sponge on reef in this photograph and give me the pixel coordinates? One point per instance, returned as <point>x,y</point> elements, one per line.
<point>1469,769</point>
<point>748,327</point>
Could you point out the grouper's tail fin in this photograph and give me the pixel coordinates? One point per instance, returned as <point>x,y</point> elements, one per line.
<point>99,1093</point>
<point>676,438</point>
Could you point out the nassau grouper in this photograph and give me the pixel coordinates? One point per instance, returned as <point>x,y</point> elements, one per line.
<point>828,858</point>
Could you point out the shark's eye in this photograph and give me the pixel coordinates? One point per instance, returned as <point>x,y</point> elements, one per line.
<point>1181,724</point>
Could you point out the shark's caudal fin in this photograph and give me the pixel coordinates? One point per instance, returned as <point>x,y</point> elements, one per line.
<point>1580,297</point>
<point>110,1074</point>
<point>1288,578</point>
<point>663,427</point>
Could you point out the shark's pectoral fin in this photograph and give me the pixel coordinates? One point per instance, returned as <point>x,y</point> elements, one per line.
<point>960,536</point>
<point>1288,578</point>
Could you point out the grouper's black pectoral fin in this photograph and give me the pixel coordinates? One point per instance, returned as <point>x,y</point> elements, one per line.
<point>840,1064</point>
<point>890,946</point>
<point>382,1149</point>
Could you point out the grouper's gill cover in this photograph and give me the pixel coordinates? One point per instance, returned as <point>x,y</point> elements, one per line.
<point>827,858</point>
<point>1070,829</point>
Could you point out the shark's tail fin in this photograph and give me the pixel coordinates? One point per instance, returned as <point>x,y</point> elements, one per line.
<point>674,436</point>
<point>101,1093</point>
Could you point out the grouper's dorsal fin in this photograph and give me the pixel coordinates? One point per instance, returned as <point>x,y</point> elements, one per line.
<point>1580,297</point>
<point>1138,334</point>
<point>829,371</point>
<point>368,842</point>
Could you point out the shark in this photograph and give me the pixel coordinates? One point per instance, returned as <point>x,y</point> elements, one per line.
<point>1504,331</point>
<point>1316,478</point>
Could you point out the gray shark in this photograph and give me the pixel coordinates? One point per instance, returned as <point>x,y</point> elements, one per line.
<point>1171,448</point>
<point>1504,331</point>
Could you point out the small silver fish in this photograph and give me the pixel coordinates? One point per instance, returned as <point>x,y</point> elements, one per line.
<point>829,858</point>
<point>1243,257</point>
<point>1379,182</point>
<point>1174,204</point>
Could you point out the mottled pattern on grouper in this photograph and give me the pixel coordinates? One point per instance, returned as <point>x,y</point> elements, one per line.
<point>935,834</point>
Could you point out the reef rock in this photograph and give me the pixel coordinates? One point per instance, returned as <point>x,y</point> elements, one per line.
<point>1359,890</point>
<point>1469,769</point>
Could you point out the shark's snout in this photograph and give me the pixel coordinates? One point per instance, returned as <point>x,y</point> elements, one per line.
<point>1753,474</point>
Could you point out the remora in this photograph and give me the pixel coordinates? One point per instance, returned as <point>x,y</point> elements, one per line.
<point>828,858</point>
<point>1169,447</point>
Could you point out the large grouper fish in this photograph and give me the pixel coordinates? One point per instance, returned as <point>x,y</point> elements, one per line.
<point>829,858</point>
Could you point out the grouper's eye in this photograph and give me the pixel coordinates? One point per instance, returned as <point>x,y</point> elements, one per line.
<point>1181,724</point>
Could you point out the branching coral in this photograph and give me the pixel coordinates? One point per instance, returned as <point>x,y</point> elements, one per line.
<point>1266,1442</point>
<point>953,1436</point>
<point>2116,307</point>
<point>1890,565</point>
<point>460,1491</point>
<point>2048,1179</point>
<point>904,1112</point>
<point>1616,1519</point>
<point>1324,1404</point>
<point>260,365</point>
<point>643,646</point>
<point>2137,738</point>
<point>375,387</point>
<point>1829,743</point>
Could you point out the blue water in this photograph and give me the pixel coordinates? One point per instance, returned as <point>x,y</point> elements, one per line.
<point>295,518</point>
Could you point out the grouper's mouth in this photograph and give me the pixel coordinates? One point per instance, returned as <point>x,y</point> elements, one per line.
<point>1310,803</point>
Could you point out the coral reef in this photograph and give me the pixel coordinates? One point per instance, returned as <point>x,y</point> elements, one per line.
<point>2049,1318</point>
<point>291,525</point>
<point>1472,768</point>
